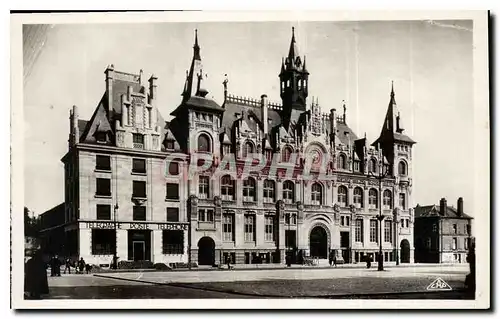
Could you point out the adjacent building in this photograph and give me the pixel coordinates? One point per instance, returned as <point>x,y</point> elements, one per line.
<point>442,233</point>
<point>130,190</point>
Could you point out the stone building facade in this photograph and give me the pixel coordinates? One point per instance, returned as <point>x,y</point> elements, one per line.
<point>131,186</point>
<point>442,233</point>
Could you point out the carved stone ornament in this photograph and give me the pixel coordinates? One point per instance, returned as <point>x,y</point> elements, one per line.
<point>352,208</point>
<point>300,206</point>
<point>336,207</point>
<point>217,201</point>
<point>194,200</point>
<point>139,201</point>
<point>280,205</point>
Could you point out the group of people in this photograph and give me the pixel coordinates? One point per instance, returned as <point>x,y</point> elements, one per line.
<point>332,259</point>
<point>80,266</point>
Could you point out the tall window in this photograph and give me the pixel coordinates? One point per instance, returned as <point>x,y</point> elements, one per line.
<point>228,227</point>
<point>248,149</point>
<point>373,198</point>
<point>138,165</point>
<point>268,154</point>
<point>226,149</point>
<point>357,166</point>
<point>286,154</point>
<point>173,242</point>
<point>138,140</point>
<point>169,145</point>
<point>203,187</point>
<point>139,189</point>
<point>290,219</point>
<point>269,228</point>
<point>103,186</point>
<point>387,199</point>
<point>434,228</point>
<point>388,231</point>
<point>268,191</point>
<point>342,196</point>
<point>173,168</point>
<point>103,162</point>
<point>358,230</point>
<point>103,212</point>
<point>205,215</point>
<point>358,197</point>
<point>402,201</point>
<point>342,161</point>
<point>172,214</point>
<point>316,194</point>
<point>402,168</point>
<point>466,243</point>
<point>172,191</point>
<point>249,227</point>
<point>373,231</point>
<point>454,243</point>
<point>150,117</point>
<point>249,190</point>
<point>203,143</point>
<point>454,228</point>
<point>103,241</point>
<point>288,192</point>
<point>227,187</point>
<point>372,165</point>
<point>139,213</point>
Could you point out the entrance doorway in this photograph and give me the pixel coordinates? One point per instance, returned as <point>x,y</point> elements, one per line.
<point>206,251</point>
<point>318,241</point>
<point>405,251</point>
<point>139,250</point>
<point>139,245</point>
<point>345,246</point>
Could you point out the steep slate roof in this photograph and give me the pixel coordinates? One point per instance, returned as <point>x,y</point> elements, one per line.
<point>433,211</point>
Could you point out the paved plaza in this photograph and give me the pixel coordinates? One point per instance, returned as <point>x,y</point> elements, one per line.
<point>340,282</point>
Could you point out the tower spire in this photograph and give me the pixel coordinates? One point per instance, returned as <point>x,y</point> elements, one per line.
<point>196,47</point>
<point>293,53</point>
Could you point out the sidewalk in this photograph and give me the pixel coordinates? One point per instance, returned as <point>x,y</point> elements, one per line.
<point>236,267</point>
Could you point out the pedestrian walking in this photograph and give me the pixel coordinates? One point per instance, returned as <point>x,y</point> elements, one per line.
<point>35,277</point>
<point>228,262</point>
<point>57,266</point>
<point>67,266</point>
<point>330,258</point>
<point>368,261</point>
<point>334,259</point>
<point>81,265</point>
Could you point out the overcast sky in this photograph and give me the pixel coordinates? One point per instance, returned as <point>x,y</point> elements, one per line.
<point>430,64</point>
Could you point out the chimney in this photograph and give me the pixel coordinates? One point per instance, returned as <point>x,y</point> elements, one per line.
<point>74,125</point>
<point>263,111</point>
<point>442,206</point>
<point>110,71</point>
<point>152,89</point>
<point>141,81</point>
<point>460,206</point>
<point>124,111</point>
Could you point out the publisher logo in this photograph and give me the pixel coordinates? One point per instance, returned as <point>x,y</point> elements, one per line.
<point>439,284</point>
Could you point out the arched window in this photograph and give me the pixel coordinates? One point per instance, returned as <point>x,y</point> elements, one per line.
<point>203,143</point>
<point>402,168</point>
<point>358,197</point>
<point>342,163</point>
<point>387,199</point>
<point>249,190</point>
<point>227,188</point>
<point>288,192</point>
<point>372,165</point>
<point>316,194</point>
<point>268,191</point>
<point>373,198</point>
<point>342,196</point>
<point>247,149</point>
<point>286,154</point>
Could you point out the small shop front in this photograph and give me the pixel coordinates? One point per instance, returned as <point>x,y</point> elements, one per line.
<point>132,241</point>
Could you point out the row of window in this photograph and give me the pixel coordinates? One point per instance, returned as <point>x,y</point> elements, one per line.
<point>103,212</point>
<point>374,231</point>
<point>103,163</point>
<point>228,227</point>
<point>228,186</point>
<point>103,188</point>
<point>204,145</point>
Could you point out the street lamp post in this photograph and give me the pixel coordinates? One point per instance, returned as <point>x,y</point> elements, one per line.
<point>382,173</point>
<point>116,244</point>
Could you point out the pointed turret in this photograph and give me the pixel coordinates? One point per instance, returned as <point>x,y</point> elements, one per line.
<point>293,53</point>
<point>304,69</point>
<point>196,47</point>
<point>193,77</point>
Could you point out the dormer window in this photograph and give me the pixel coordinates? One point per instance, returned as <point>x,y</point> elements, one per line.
<point>100,137</point>
<point>169,145</point>
<point>138,140</point>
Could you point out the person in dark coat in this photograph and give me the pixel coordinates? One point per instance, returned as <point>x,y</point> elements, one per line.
<point>35,277</point>
<point>334,258</point>
<point>67,266</point>
<point>81,265</point>
<point>330,258</point>
<point>57,266</point>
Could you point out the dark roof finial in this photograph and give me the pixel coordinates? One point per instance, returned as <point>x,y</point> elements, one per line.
<point>196,37</point>
<point>392,88</point>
